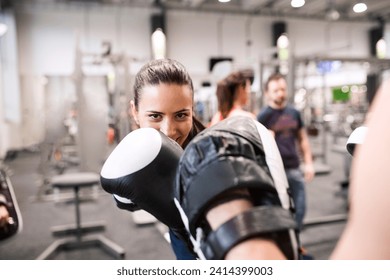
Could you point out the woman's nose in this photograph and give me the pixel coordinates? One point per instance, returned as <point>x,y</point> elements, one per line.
<point>169,129</point>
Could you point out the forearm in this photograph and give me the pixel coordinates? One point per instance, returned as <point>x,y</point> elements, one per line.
<point>367,234</point>
<point>306,152</point>
<point>304,145</point>
<point>254,248</point>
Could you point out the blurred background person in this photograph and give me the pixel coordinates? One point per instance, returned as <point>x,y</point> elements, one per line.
<point>233,93</point>
<point>285,122</point>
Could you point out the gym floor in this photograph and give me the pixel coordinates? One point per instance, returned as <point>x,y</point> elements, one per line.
<point>43,208</point>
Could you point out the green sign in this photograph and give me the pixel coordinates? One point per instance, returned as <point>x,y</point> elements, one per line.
<point>341,94</point>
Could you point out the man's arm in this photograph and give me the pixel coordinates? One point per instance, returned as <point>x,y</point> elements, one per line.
<point>304,145</point>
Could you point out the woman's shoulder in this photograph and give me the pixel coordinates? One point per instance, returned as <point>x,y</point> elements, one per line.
<point>216,118</point>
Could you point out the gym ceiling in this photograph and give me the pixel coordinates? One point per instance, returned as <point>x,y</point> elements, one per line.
<point>332,10</point>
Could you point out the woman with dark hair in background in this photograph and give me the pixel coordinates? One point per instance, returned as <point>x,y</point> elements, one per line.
<point>233,94</point>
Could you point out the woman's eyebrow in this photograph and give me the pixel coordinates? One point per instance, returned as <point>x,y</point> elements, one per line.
<point>161,113</point>
<point>155,112</point>
<point>182,111</point>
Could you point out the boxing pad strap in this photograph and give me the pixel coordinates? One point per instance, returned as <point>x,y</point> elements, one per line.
<point>266,221</point>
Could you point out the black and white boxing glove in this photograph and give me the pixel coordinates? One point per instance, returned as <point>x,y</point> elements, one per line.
<point>140,173</point>
<point>237,153</point>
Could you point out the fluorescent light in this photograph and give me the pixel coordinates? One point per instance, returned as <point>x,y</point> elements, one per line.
<point>158,44</point>
<point>297,3</point>
<point>359,8</point>
<point>333,14</point>
<point>381,48</point>
<point>224,1</point>
<point>282,41</point>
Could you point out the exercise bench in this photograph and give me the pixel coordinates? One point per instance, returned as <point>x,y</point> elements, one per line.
<point>79,232</point>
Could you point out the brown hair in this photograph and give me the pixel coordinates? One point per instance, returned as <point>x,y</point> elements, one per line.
<point>165,71</point>
<point>227,89</point>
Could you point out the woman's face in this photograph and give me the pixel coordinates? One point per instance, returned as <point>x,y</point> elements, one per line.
<point>166,107</point>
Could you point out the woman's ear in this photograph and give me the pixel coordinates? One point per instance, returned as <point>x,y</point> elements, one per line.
<point>134,112</point>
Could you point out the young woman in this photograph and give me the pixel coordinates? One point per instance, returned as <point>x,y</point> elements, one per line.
<point>233,95</point>
<point>164,100</point>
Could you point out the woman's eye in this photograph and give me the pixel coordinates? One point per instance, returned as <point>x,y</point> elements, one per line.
<point>181,116</point>
<point>154,116</point>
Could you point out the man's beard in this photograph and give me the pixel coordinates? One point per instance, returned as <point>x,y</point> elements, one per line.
<point>279,101</point>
